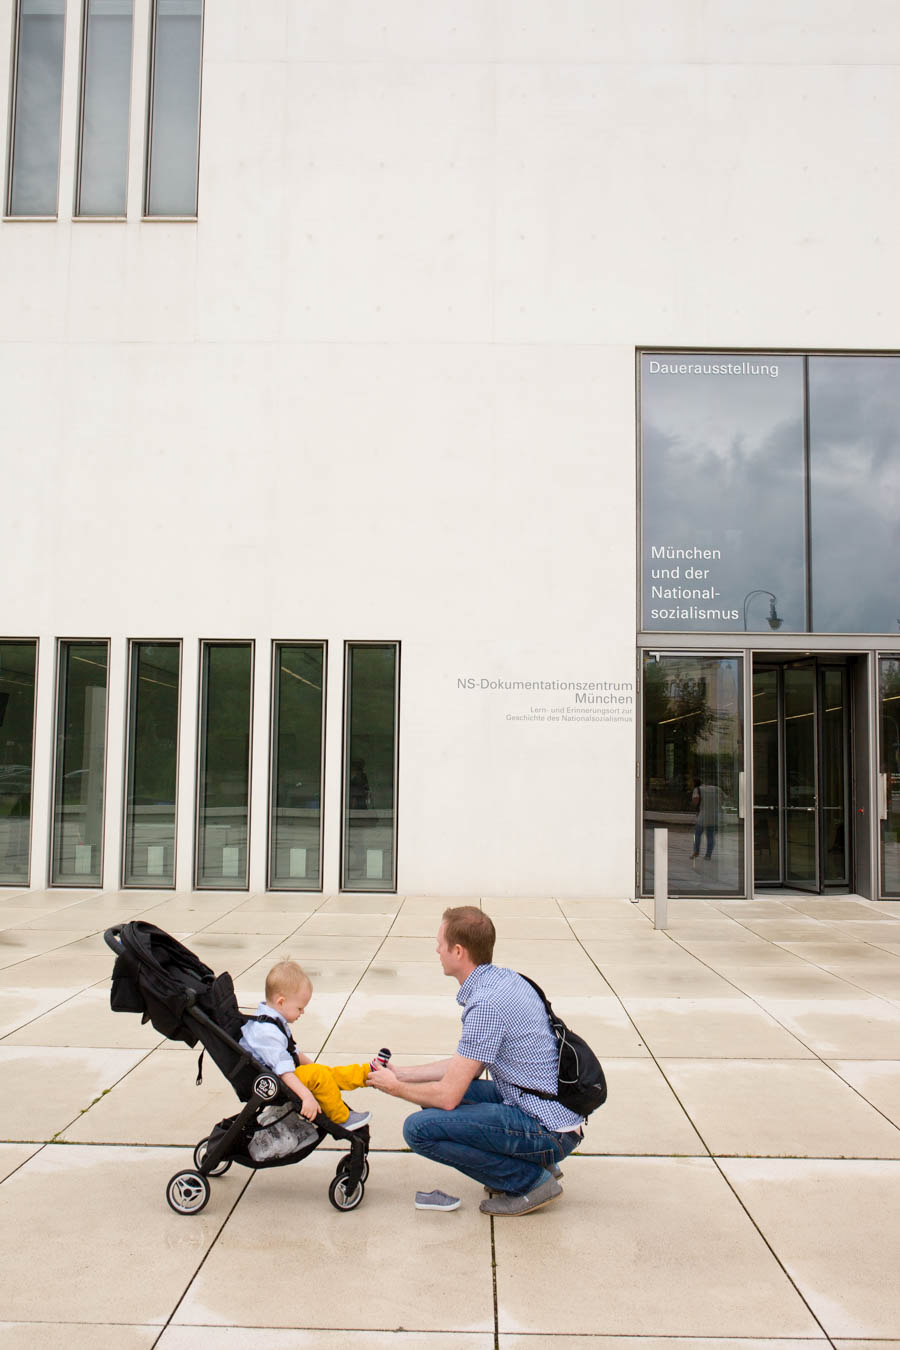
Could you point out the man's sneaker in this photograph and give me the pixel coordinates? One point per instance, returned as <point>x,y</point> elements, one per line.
<point>436,1200</point>
<point>522,1204</point>
<point>554,1169</point>
<point>356,1120</point>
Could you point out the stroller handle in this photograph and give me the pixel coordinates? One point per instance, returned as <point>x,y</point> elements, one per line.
<point>112,940</point>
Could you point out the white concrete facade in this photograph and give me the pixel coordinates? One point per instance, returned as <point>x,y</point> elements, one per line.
<point>384,386</point>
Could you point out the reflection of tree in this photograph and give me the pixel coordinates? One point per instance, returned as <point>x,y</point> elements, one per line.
<point>691,730</point>
<point>677,716</point>
<point>890,712</point>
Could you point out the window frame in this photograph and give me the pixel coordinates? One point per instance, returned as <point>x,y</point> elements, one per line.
<point>205,644</point>
<point>51,860</point>
<point>36,643</point>
<point>8,214</point>
<point>146,213</point>
<point>133,644</point>
<point>345,885</point>
<point>77,213</point>
<point>274,711</point>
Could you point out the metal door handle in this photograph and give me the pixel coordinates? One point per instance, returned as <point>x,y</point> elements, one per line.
<point>882,796</point>
<point>742,796</point>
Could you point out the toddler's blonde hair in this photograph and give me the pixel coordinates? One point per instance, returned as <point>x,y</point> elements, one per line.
<point>286,977</point>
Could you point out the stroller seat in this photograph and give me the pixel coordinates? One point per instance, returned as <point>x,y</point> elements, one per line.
<point>184,1000</point>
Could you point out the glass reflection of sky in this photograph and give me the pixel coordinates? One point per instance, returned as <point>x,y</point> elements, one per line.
<point>855,493</point>
<point>723,469</point>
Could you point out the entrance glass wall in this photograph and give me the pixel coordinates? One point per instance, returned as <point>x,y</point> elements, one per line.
<point>79,780</point>
<point>889,794</point>
<point>801,775</point>
<point>370,766</point>
<point>298,701</point>
<point>223,788</point>
<point>17,671</point>
<point>693,761</point>
<point>152,770</point>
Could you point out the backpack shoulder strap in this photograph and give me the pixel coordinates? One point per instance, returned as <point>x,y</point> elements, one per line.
<point>538,990</point>
<point>291,1043</point>
<point>535,1092</point>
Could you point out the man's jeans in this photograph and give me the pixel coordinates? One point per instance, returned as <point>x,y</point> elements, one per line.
<point>501,1146</point>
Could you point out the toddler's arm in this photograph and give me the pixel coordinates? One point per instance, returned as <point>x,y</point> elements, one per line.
<point>309,1107</point>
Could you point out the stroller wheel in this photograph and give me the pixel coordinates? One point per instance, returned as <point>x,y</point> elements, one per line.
<point>341,1197</point>
<point>344,1166</point>
<point>187,1192</point>
<point>200,1154</point>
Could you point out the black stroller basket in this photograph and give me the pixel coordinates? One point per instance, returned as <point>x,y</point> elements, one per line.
<point>184,1000</point>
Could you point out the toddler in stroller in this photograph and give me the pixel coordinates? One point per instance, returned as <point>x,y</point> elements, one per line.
<point>268,1038</point>
<point>156,976</point>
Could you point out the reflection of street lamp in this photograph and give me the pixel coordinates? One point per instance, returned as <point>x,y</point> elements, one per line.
<point>773,619</point>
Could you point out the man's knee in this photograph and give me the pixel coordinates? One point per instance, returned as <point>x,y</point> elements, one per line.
<point>422,1127</point>
<point>411,1129</point>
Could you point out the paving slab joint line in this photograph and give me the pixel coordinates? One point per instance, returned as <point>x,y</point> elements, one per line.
<point>776,1258</point>
<point>643,1040</point>
<point>820,1058</point>
<point>196,1272</point>
<point>494,1283</point>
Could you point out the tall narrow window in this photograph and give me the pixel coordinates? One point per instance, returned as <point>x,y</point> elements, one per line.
<point>77,854</point>
<point>223,788</point>
<point>174,124</point>
<point>38,74</point>
<point>371,687</point>
<point>295,829</point>
<point>105,105</point>
<point>17,668</point>
<point>152,764</point>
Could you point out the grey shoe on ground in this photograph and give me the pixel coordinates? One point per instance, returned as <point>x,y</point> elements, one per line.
<point>436,1200</point>
<point>554,1169</point>
<point>356,1120</point>
<point>522,1204</point>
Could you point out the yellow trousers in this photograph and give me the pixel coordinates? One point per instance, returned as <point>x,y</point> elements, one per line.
<point>326,1085</point>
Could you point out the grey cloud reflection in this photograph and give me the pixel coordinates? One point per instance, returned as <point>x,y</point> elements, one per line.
<point>855,493</point>
<point>723,470</point>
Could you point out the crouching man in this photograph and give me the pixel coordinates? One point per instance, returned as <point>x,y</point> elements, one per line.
<point>496,1132</point>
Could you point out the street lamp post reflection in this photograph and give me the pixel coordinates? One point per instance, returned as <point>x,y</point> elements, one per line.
<point>773,618</point>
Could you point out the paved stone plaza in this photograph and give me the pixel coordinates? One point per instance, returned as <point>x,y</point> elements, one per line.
<point>742,1184</point>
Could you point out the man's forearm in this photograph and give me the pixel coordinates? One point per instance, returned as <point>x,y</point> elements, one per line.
<point>430,1093</point>
<point>422,1073</point>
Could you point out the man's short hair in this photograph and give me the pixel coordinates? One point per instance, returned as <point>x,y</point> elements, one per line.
<point>471,929</point>
<point>286,977</point>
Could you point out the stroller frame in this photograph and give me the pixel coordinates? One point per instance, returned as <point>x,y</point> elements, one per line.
<point>188,1192</point>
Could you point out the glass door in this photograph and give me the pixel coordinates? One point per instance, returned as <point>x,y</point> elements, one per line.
<point>834,778</point>
<point>693,735</point>
<point>768,722</point>
<point>889,774</point>
<point>801,760</point>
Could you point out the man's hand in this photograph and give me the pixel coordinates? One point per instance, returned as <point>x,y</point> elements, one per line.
<point>385,1080</point>
<point>444,1087</point>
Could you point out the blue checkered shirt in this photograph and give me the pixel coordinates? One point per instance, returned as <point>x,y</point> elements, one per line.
<point>505,1026</point>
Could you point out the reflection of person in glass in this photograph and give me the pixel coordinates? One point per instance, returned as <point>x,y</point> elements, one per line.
<point>705,798</point>
<point>359,786</point>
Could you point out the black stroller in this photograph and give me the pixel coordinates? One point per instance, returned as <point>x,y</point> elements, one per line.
<point>156,976</point>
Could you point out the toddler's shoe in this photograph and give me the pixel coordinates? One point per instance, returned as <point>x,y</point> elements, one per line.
<point>380,1060</point>
<point>356,1120</point>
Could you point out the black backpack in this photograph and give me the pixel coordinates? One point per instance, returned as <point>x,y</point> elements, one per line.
<point>581,1083</point>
